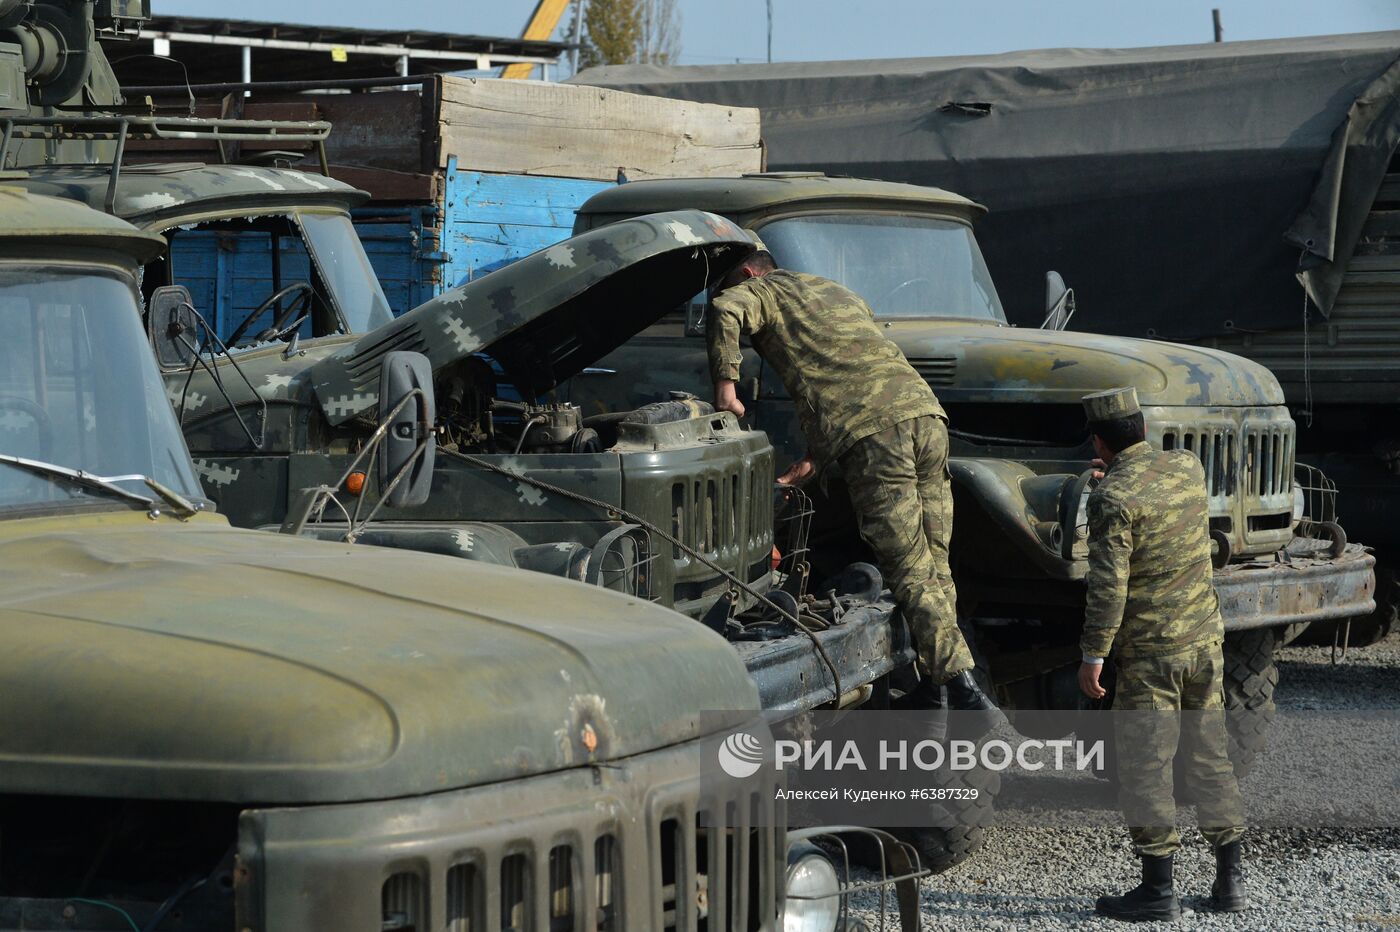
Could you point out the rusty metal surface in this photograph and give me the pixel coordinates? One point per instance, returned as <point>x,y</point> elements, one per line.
<point>1309,585</point>
<point>868,643</point>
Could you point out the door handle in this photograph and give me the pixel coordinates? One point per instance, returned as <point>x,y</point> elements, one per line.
<point>594,370</point>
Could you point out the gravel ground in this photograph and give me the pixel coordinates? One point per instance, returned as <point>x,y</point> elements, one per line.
<point>1031,876</point>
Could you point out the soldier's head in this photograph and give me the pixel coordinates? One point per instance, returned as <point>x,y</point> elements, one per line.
<point>757,264</point>
<point>1115,421</point>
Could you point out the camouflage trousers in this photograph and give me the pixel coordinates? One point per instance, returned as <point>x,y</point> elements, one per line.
<point>1168,711</point>
<point>899,485</point>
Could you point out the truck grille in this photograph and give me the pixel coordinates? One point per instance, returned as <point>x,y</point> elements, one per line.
<point>938,371</point>
<point>1269,463</point>
<point>1266,466</point>
<point>1248,462</point>
<point>708,514</point>
<point>1216,448</point>
<point>646,842</point>
<point>710,869</point>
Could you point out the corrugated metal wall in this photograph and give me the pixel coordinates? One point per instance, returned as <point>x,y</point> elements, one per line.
<point>1352,355</point>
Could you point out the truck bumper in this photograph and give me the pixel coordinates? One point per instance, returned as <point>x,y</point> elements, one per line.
<point>1303,583</point>
<point>867,643</point>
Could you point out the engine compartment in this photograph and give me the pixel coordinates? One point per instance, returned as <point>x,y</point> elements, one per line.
<point>475,415</point>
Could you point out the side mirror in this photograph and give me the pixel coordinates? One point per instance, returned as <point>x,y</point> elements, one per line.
<point>173,326</point>
<point>1059,302</point>
<point>409,447</point>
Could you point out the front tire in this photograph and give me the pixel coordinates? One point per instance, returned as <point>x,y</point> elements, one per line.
<point>1250,679</point>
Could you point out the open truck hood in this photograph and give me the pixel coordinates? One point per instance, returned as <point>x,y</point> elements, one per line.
<point>197,661</point>
<point>549,315</point>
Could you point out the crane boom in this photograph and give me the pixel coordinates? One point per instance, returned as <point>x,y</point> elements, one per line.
<point>541,26</point>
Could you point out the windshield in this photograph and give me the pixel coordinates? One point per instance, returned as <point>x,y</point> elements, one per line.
<point>79,388</point>
<point>902,266</point>
<point>236,266</point>
<point>345,268</point>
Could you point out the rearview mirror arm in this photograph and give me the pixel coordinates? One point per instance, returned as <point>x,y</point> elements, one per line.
<point>197,354</point>
<point>323,495</point>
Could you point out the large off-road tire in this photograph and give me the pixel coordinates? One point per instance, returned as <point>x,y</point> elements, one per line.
<point>962,831</point>
<point>942,848</point>
<point>1250,678</point>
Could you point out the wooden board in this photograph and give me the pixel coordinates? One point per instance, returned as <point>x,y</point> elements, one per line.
<point>490,220</point>
<point>379,130</point>
<point>536,128</point>
<point>389,186</point>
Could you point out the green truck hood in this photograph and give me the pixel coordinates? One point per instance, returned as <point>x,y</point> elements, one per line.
<point>970,361</point>
<point>197,661</point>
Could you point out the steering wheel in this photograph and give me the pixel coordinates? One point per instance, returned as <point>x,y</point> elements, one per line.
<point>296,308</point>
<point>889,295</point>
<point>41,419</point>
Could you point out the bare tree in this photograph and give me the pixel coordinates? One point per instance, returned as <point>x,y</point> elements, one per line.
<point>627,31</point>
<point>661,32</point>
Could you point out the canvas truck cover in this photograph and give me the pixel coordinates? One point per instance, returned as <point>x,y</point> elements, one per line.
<point>1181,190</point>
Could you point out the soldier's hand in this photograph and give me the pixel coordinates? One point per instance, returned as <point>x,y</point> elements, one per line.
<point>727,398</point>
<point>1089,680</point>
<point>799,473</point>
<point>1098,466</point>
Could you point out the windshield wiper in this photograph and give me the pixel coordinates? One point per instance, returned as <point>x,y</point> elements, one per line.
<point>181,506</point>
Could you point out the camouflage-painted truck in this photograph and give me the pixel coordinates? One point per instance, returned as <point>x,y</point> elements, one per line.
<point>227,729</point>
<point>668,501</point>
<point>1020,448</point>
<point>265,418</point>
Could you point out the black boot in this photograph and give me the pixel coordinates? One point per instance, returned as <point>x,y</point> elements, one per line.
<point>964,695</point>
<point>1153,899</point>
<point>1227,893</point>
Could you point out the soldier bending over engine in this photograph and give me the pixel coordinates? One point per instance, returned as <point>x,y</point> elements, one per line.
<point>860,404</point>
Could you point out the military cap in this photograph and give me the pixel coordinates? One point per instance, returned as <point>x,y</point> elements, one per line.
<point>1112,404</point>
<point>758,244</point>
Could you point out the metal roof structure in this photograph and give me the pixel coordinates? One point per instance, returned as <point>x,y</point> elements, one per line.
<point>215,51</point>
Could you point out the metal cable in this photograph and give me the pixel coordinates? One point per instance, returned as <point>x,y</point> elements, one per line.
<point>666,536</point>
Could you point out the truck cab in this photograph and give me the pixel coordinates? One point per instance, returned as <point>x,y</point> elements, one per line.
<point>263,732</point>
<point>1018,436</point>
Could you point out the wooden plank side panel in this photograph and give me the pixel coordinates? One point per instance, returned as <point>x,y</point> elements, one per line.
<point>521,199</point>
<point>534,128</point>
<point>491,220</point>
<point>380,130</point>
<point>402,248</point>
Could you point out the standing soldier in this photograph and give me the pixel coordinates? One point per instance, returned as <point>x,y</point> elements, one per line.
<point>860,404</point>
<point>1151,601</point>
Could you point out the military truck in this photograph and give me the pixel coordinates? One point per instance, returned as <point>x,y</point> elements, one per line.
<point>226,729</point>
<point>671,502</point>
<point>1268,229</point>
<point>237,328</point>
<point>535,485</point>
<point>1019,443</point>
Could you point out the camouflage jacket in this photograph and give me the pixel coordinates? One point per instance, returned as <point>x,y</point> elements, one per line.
<point>1149,576</point>
<point>846,379</point>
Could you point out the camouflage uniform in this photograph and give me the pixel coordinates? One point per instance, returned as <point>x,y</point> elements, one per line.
<point>862,405</point>
<point>1151,600</point>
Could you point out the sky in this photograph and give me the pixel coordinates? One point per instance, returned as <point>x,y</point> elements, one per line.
<point>720,31</point>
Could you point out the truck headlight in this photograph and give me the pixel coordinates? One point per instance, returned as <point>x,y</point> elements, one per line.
<point>813,901</point>
<point>1300,503</point>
